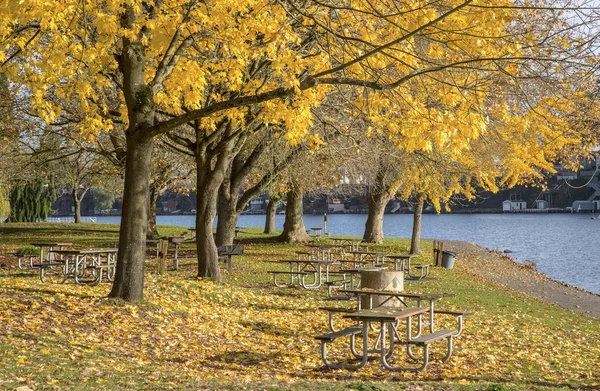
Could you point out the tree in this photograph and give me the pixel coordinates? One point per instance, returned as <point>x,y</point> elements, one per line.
<point>217,58</point>
<point>31,202</point>
<point>103,199</point>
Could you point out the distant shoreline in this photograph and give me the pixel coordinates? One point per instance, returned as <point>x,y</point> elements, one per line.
<point>463,211</point>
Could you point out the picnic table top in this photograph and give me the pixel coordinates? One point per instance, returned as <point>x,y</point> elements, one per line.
<point>359,269</point>
<point>401,256</point>
<point>51,244</point>
<point>420,296</point>
<point>308,261</point>
<point>385,313</point>
<point>366,252</point>
<point>233,249</point>
<point>83,251</point>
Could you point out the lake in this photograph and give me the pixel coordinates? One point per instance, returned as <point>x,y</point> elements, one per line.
<point>566,247</point>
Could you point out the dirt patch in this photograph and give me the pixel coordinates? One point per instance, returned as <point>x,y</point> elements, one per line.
<point>8,261</point>
<point>502,269</point>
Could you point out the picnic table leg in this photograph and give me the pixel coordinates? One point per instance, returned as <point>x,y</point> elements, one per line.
<point>425,360</point>
<point>176,259</point>
<point>229,266</point>
<point>365,355</point>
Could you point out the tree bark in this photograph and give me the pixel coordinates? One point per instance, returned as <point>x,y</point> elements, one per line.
<point>271,211</point>
<point>210,175</point>
<point>152,230</point>
<point>228,214</point>
<point>374,224</point>
<point>294,230</point>
<point>129,278</point>
<point>77,206</point>
<point>206,209</point>
<point>415,242</point>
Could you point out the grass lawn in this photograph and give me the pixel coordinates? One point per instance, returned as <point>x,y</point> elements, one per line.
<point>190,334</point>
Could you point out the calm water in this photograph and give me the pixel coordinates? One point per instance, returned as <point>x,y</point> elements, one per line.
<point>566,247</point>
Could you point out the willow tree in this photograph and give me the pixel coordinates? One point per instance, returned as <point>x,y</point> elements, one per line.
<point>208,62</point>
<point>31,202</point>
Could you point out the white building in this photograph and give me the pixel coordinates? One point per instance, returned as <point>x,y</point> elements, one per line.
<point>508,206</point>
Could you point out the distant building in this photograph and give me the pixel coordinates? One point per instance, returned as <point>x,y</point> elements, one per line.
<point>257,205</point>
<point>584,206</point>
<point>541,204</point>
<point>335,207</point>
<point>508,205</point>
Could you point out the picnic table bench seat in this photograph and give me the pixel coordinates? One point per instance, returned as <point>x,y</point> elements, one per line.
<point>332,336</point>
<point>335,310</point>
<point>433,337</point>
<point>460,315</point>
<point>276,273</point>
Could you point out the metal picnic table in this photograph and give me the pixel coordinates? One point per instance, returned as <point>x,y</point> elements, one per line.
<point>86,266</point>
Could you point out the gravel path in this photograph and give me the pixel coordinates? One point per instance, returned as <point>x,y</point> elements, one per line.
<point>500,268</point>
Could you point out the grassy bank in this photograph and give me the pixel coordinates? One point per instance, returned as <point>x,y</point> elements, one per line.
<point>247,334</point>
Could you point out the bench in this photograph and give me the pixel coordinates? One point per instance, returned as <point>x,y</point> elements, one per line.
<point>299,275</point>
<point>424,341</point>
<point>460,315</point>
<point>325,339</point>
<point>21,259</point>
<point>335,310</point>
<point>423,270</point>
<point>330,337</point>
<point>301,253</point>
<point>227,252</point>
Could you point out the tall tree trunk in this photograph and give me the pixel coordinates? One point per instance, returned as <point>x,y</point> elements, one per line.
<point>152,230</point>
<point>228,216</point>
<point>129,278</point>
<point>209,177</point>
<point>77,206</point>
<point>415,242</point>
<point>208,261</point>
<point>270,218</point>
<point>374,226</point>
<point>293,227</point>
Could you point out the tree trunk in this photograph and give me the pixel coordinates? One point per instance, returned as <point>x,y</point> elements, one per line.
<point>208,261</point>
<point>270,219</point>
<point>152,230</point>
<point>374,225</point>
<point>129,279</point>
<point>415,243</point>
<point>228,216</point>
<point>293,227</point>
<point>77,206</point>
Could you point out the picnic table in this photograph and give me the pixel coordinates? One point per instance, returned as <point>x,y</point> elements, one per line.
<point>46,253</point>
<point>85,266</point>
<point>374,257</point>
<point>404,263</point>
<point>300,268</point>
<point>388,320</point>
<point>317,231</point>
<point>227,252</point>
<point>401,297</point>
<point>347,242</point>
<point>322,252</point>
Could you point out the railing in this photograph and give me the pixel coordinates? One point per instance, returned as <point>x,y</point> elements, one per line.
<point>70,219</point>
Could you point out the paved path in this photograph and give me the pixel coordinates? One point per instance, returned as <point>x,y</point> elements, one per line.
<point>501,269</point>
